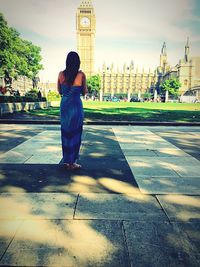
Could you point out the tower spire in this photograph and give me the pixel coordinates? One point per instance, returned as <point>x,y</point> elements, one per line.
<point>187,50</point>
<point>164,49</point>
<point>163,58</point>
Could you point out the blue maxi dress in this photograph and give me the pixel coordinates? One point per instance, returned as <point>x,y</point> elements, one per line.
<point>71,112</point>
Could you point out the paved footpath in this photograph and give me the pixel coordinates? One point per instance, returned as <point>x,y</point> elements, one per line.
<point>136,202</point>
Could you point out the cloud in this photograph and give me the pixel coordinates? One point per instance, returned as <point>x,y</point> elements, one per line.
<point>143,19</point>
<point>53,19</point>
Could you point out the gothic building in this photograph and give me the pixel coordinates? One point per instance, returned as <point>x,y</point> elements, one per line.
<point>187,71</point>
<point>127,82</point>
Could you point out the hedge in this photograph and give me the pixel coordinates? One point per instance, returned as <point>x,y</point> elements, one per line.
<point>17,99</point>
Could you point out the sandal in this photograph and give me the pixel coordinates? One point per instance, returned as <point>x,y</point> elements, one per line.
<point>75,166</point>
<point>66,165</point>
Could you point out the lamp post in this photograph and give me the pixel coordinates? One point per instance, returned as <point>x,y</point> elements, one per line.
<point>102,87</point>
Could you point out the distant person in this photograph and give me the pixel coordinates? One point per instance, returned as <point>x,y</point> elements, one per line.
<point>39,95</point>
<point>17,93</point>
<point>71,84</point>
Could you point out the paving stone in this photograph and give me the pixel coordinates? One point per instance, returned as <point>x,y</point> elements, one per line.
<point>181,207</point>
<point>182,161</point>
<point>130,130</point>
<point>13,157</point>
<point>140,152</point>
<point>143,171</point>
<point>37,205</point>
<point>42,148</point>
<point>165,166</point>
<point>101,150</point>
<point>188,171</point>
<point>168,152</point>
<point>107,162</point>
<point>68,243</point>
<point>185,139</point>
<point>135,207</point>
<point>45,158</point>
<point>10,139</point>
<point>193,232</point>
<point>168,185</point>
<point>8,230</point>
<point>158,244</point>
<point>146,145</point>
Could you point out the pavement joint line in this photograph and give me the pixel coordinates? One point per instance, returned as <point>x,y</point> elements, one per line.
<point>163,209</point>
<point>22,221</point>
<point>126,244</point>
<point>28,159</point>
<point>177,173</point>
<point>77,198</point>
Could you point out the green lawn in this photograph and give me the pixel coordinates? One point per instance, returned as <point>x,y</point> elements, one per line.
<point>119,111</point>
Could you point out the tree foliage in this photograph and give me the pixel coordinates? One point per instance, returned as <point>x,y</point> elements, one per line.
<point>53,96</point>
<point>94,84</point>
<point>17,56</point>
<point>171,85</point>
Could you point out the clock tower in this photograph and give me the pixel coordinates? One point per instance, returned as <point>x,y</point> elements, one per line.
<point>85,27</point>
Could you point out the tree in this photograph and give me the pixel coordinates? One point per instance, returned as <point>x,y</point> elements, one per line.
<point>94,84</point>
<point>171,85</point>
<point>17,56</point>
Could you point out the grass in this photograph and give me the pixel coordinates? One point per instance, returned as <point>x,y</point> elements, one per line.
<point>120,111</point>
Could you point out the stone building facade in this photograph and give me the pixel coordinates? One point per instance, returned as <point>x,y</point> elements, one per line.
<point>22,84</point>
<point>127,82</point>
<point>187,71</point>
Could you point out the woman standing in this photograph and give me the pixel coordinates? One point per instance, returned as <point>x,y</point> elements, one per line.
<point>71,84</point>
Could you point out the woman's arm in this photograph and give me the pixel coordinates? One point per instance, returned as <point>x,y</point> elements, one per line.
<point>84,84</point>
<point>58,83</point>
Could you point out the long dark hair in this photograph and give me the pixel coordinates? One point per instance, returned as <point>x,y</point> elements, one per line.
<point>72,67</point>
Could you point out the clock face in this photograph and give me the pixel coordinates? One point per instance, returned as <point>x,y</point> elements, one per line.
<point>85,22</point>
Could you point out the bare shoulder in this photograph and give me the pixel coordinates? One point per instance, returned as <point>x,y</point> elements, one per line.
<point>60,74</point>
<point>82,73</point>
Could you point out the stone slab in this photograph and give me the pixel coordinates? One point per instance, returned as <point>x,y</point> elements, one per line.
<point>145,170</point>
<point>37,206</point>
<point>68,243</point>
<point>144,145</point>
<point>45,158</point>
<point>13,157</point>
<point>8,229</point>
<point>168,152</point>
<point>116,162</point>
<point>168,185</point>
<point>158,244</point>
<point>102,151</point>
<point>182,161</point>
<point>135,207</point>
<point>165,166</point>
<point>139,152</point>
<point>193,232</point>
<point>188,170</point>
<point>181,208</point>
<point>44,147</point>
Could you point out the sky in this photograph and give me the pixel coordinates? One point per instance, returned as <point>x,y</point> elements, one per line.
<point>125,30</point>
